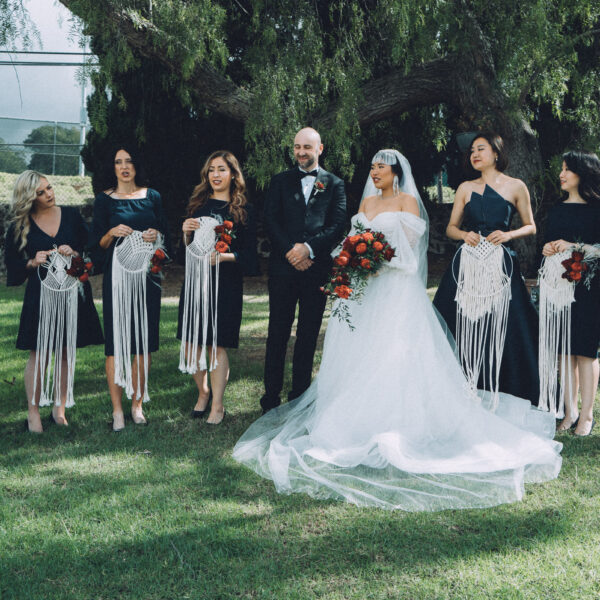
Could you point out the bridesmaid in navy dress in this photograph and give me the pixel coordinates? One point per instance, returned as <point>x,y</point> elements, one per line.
<point>577,221</point>
<point>122,208</point>
<point>221,193</point>
<point>38,228</point>
<point>485,207</point>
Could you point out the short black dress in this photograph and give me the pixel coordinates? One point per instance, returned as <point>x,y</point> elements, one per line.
<point>519,375</point>
<point>73,232</point>
<point>577,223</point>
<point>229,302</point>
<point>139,214</point>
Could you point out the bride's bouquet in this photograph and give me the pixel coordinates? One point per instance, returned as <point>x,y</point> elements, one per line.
<point>361,256</point>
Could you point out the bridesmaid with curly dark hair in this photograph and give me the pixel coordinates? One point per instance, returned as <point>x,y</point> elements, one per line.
<point>221,194</point>
<point>576,220</point>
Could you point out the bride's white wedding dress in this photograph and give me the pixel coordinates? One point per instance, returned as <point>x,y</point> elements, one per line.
<point>389,420</point>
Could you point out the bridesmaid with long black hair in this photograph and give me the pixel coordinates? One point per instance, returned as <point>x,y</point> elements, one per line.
<point>576,221</point>
<point>127,205</point>
<point>221,194</point>
<point>484,207</point>
<point>39,227</point>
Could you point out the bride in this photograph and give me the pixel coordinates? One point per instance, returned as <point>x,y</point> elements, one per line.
<point>389,421</point>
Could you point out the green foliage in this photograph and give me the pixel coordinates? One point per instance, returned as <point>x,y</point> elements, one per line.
<point>15,25</point>
<point>302,59</point>
<point>55,149</point>
<point>11,161</point>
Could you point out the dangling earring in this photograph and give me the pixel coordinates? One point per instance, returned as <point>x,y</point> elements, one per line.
<point>396,185</point>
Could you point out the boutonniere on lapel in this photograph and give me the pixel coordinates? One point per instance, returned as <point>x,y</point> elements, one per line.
<point>319,187</point>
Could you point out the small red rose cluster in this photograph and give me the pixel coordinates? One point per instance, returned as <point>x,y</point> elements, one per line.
<point>575,267</point>
<point>362,255</point>
<point>225,232</point>
<point>80,268</point>
<point>157,260</point>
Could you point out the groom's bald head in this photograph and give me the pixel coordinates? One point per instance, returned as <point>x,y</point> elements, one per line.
<point>307,148</point>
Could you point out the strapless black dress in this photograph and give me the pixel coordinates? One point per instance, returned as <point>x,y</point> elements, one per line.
<point>519,376</point>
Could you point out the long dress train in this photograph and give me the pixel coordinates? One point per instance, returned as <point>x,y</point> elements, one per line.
<point>389,420</point>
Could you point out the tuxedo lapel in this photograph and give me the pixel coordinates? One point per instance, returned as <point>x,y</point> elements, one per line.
<point>322,178</point>
<point>295,187</point>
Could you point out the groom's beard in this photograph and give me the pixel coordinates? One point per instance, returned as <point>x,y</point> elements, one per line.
<point>308,163</point>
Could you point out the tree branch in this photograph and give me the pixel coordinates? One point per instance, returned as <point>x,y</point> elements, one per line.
<point>213,90</point>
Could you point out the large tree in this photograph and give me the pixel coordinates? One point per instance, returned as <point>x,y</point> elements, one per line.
<point>522,67</point>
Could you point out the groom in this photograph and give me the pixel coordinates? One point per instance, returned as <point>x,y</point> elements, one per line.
<point>305,214</point>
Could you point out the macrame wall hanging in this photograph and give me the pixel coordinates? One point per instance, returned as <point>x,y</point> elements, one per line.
<point>57,331</point>
<point>556,297</point>
<point>131,261</point>
<point>482,300</point>
<point>200,297</point>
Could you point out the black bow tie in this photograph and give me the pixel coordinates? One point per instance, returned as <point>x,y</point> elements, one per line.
<point>305,174</point>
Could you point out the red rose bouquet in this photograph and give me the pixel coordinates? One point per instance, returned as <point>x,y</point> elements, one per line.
<point>580,267</point>
<point>80,268</point>
<point>156,262</point>
<point>226,235</point>
<point>361,256</point>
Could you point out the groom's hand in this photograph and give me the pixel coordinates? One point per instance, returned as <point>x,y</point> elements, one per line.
<point>297,254</point>
<point>304,264</point>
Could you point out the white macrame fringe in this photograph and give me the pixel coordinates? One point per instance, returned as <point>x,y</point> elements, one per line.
<point>57,332</point>
<point>556,298</point>
<point>201,292</point>
<point>482,300</point>
<point>131,260</point>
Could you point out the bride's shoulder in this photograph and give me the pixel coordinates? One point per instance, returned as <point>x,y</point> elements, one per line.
<point>409,204</point>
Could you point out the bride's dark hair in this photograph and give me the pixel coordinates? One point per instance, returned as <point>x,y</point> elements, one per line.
<point>587,166</point>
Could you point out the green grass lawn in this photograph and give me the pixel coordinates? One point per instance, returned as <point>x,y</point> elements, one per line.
<point>164,512</point>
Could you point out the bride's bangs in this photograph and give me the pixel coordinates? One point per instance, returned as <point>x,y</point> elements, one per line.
<point>387,157</point>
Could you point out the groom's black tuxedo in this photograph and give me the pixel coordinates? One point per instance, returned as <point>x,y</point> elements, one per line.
<point>289,219</point>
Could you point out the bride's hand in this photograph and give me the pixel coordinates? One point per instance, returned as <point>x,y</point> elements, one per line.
<point>471,238</point>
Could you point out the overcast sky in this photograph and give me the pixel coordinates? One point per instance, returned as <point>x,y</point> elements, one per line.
<point>44,93</point>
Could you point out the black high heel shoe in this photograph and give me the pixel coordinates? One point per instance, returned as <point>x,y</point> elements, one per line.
<point>198,414</point>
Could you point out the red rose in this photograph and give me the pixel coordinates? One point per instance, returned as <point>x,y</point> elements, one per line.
<point>367,236</point>
<point>567,263</point>
<point>355,262</point>
<point>365,263</point>
<point>228,224</point>
<point>221,247</point>
<point>576,266</point>
<point>377,246</point>
<point>361,248</point>
<point>379,235</point>
<point>342,261</point>
<point>219,229</point>
<point>226,238</point>
<point>354,239</point>
<point>160,255</point>
<point>343,291</point>
<point>155,269</point>
<point>339,279</point>
<point>89,265</point>
<point>575,275</point>
<point>577,256</point>
<point>388,253</point>
<point>84,277</point>
<point>347,246</point>
<point>346,254</point>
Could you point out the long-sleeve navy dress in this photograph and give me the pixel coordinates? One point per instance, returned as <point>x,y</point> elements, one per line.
<point>229,302</point>
<point>73,232</point>
<point>519,376</point>
<point>580,223</point>
<point>139,214</point>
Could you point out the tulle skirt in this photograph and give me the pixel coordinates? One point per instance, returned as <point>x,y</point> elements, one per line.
<point>390,422</point>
